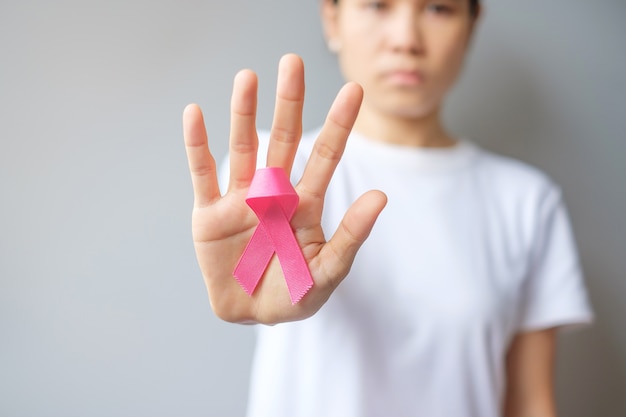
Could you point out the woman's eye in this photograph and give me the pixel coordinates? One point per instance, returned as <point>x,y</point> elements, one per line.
<point>439,9</point>
<point>376,5</point>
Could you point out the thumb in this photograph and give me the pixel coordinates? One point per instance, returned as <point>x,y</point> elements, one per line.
<point>339,252</point>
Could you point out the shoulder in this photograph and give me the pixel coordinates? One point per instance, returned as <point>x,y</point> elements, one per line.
<point>514,179</point>
<point>524,197</point>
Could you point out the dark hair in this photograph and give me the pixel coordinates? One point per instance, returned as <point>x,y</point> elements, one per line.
<point>473,6</point>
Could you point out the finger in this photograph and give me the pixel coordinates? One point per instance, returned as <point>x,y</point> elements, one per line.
<point>243,135</point>
<point>201,162</point>
<point>338,254</point>
<point>287,125</point>
<point>331,142</point>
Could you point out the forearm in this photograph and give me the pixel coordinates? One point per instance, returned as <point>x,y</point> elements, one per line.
<point>530,374</point>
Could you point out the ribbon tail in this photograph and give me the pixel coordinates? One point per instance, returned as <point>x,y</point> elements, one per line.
<point>295,269</point>
<point>255,258</point>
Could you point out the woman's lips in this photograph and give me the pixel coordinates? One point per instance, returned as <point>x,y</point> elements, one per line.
<point>406,78</point>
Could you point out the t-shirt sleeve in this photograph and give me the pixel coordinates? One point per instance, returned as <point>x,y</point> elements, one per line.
<point>554,290</point>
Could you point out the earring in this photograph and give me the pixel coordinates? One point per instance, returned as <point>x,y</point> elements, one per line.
<point>334,45</point>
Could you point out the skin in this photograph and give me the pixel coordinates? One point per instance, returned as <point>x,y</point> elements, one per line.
<point>530,375</point>
<point>400,58</point>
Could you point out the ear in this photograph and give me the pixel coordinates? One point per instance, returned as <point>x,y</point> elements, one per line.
<point>478,16</point>
<point>475,20</point>
<point>329,14</point>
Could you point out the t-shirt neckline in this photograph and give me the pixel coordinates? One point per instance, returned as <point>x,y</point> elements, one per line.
<point>412,158</point>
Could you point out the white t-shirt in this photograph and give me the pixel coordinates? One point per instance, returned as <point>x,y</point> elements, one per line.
<point>471,249</point>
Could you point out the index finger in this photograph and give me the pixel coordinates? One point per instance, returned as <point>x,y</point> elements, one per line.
<point>331,142</point>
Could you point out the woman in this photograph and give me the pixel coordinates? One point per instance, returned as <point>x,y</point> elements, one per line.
<point>452,304</point>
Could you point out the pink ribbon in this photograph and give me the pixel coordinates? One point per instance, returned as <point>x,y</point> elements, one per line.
<point>274,200</point>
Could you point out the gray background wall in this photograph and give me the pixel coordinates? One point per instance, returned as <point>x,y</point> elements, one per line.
<point>102,308</point>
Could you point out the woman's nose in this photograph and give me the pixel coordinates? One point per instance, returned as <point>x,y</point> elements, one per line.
<point>404,32</point>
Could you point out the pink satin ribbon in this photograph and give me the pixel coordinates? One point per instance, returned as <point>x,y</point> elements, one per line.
<point>274,200</point>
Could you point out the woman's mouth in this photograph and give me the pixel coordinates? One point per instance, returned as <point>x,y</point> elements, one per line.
<point>404,78</point>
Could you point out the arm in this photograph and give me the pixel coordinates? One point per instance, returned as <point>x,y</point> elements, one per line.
<point>530,371</point>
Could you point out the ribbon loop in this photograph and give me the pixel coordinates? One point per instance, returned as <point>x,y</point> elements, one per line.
<point>274,201</point>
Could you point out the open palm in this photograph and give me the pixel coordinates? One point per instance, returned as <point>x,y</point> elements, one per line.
<point>222,224</point>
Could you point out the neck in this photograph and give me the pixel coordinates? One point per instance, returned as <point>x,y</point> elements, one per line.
<point>426,131</point>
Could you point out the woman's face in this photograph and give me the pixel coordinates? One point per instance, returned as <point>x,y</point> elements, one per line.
<point>405,53</point>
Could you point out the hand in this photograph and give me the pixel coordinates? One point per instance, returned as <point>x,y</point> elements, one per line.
<point>223,224</point>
